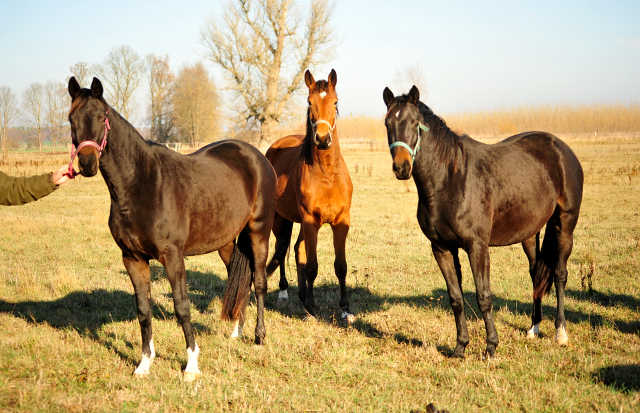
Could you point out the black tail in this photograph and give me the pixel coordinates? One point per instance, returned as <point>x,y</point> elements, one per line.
<point>282,245</point>
<point>241,270</point>
<point>546,261</point>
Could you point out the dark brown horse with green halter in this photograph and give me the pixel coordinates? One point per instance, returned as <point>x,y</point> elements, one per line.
<point>166,206</point>
<point>474,196</point>
<point>314,188</point>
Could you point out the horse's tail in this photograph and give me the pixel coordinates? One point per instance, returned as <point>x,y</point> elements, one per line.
<point>241,272</point>
<point>282,245</point>
<point>544,273</point>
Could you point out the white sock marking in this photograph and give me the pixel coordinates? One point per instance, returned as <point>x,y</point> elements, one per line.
<point>145,363</point>
<point>561,336</point>
<point>237,329</point>
<point>348,316</point>
<point>192,361</point>
<point>534,331</point>
<point>283,295</point>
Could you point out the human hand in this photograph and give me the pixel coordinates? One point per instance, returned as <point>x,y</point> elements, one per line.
<point>62,175</point>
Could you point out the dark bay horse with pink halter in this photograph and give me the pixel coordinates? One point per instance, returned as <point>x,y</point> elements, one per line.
<point>474,196</point>
<point>314,188</point>
<point>166,206</point>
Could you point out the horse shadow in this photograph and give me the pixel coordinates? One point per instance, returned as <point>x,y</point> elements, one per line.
<point>363,301</point>
<point>87,312</point>
<point>623,378</point>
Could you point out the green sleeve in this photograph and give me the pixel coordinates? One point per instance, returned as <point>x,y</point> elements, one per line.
<point>18,191</point>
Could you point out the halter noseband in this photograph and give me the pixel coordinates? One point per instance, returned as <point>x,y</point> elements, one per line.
<point>314,125</point>
<point>412,152</point>
<point>100,147</point>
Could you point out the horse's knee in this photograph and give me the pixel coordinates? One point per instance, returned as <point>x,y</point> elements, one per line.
<point>484,302</point>
<point>311,270</point>
<point>340,267</point>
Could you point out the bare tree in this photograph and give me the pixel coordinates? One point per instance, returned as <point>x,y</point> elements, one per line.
<point>8,111</point>
<point>121,73</point>
<point>195,104</point>
<point>161,87</point>
<point>33,109</point>
<point>409,76</point>
<point>264,51</point>
<point>57,105</point>
<point>81,72</point>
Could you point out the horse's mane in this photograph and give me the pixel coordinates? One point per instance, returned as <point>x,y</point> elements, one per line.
<point>307,142</point>
<point>447,141</point>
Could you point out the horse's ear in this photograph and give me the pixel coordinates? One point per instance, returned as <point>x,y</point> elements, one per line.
<point>96,88</point>
<point>309,80</point>
<point>74,88</point>
<point>388,97</point>
<point>414,95</point>
<point>333,78</point>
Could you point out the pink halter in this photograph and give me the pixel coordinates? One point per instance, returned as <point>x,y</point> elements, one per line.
<point>100,147</point>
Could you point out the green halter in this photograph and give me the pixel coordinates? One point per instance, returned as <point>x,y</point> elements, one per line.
<point>413,152</point>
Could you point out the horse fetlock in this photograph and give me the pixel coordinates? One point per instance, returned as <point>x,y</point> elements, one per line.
<point>459,351</point>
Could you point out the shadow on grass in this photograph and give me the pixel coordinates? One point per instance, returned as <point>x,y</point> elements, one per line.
<point>624,378</point>
<point>88,312</point>
<point>363,301</point>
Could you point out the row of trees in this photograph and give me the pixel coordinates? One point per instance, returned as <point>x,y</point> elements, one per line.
<point>262,47</point>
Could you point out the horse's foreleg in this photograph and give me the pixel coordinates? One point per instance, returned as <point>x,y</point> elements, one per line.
<point>479,261</point>
<point>310,233</point>
<point>447,260</point>
<point>301,260</point>
<point>532,250</point>
<point>173,262</point>
<point>140,278</point>
<point>340,231</point>
<point>278,221</point>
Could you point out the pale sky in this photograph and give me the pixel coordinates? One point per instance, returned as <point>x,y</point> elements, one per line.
<point>474,54</point>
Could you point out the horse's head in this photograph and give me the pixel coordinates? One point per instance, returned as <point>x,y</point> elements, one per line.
<point>88,119</point>
<point>323,108</point>
<point>403,122</point>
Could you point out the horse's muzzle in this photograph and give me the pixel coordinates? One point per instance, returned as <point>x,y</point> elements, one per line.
<point>402,169</point>
<point>323,142</point>
<point>88,164</point>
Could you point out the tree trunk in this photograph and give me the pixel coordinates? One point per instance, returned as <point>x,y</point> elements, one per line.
<point>268,129</point>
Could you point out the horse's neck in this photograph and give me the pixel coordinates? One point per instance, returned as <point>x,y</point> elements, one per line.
<point>124,156</point>
<point>429,172</point>
<point>327,160</point>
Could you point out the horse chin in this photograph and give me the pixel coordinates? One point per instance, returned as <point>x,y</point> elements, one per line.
<point>403,176</point>
<point>323,146</point>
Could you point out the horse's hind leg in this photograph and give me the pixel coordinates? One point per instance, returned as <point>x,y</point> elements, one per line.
<point>531,248</point>
<point>567,223</point>
<point>259,229</point>
<point>340,231</point>
<point>173,262</point>
<point>450,266</point>
<point>140,278</point>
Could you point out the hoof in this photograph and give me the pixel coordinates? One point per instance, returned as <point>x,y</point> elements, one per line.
<point>141,376</point>
<point>348,317</point>
<point>458,352</point>
<point>190,376</point>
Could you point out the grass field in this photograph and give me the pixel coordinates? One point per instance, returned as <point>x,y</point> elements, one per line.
<point>71,340</point>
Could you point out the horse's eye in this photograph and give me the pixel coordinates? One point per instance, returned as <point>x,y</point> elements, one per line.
<point>309,102</point>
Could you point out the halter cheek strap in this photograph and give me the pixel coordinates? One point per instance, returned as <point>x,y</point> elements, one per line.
<point>100,147</point>
<point>412,152</point>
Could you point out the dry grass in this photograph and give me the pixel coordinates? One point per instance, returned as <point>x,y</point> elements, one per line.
<point>71,339</point>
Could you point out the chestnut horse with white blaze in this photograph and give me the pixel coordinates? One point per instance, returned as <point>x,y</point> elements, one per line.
<point>475,196</point>
<point>166,206</point>
<point>314,188</point>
